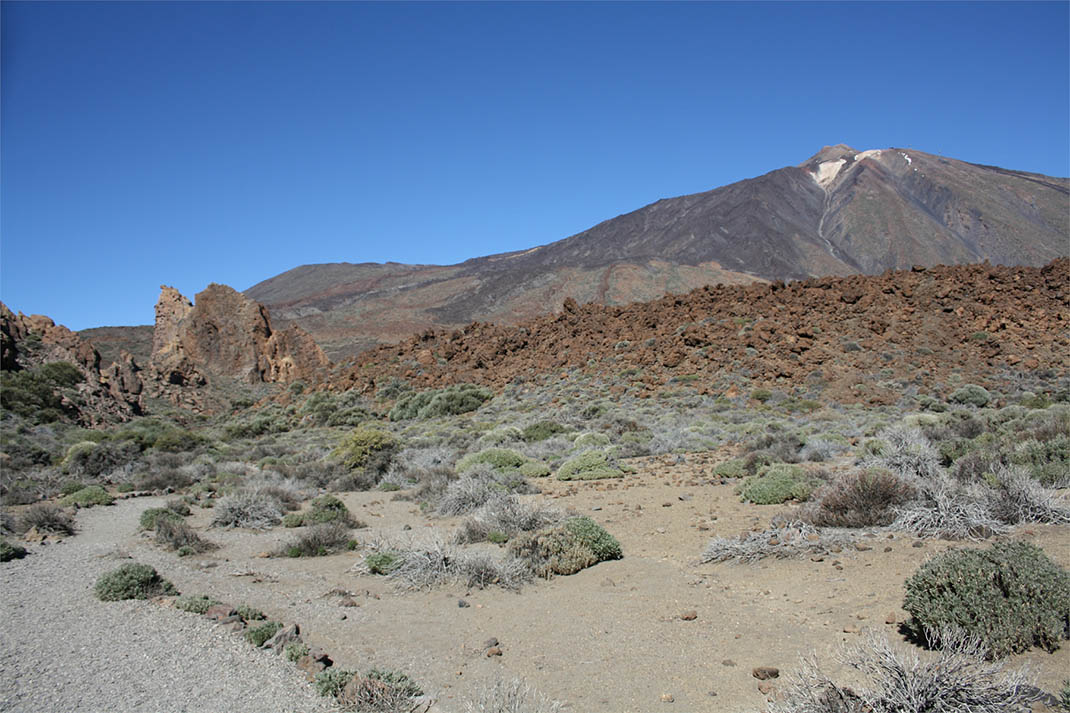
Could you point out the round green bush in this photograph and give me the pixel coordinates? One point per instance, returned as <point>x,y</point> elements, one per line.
<point>589,465</point>
<point>10,552</point>
<point>257,635</point>
<point>501,459</point>
<point>1011,596</point>
<point>150,517</point>
<point>450,401</point>
<point>777,483</point>
<point>382,562</point>
<point>542,430</point>
<point>88,497</point>
<point>365,446</point>
<point>970,395</point>
<point>195,603</point>
<point>131,581</point>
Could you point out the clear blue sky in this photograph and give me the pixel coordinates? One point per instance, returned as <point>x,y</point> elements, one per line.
<point>187,143</point>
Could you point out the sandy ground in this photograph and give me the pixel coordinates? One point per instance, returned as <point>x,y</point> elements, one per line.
<point>610,638</point>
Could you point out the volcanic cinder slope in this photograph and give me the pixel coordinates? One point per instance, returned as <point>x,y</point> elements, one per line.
<point>840,212</point>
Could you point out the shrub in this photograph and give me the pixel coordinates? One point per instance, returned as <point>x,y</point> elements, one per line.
<point>906,452</point>
<point>380,691</point>
<point>248,613</point>
<point>435,564</point>
<point>164,478</point>
<point>590,439</point>
<point>329,683</point>
<point>576,544</point>
<point>179,536</point>
<point>534,469</point>
<point>860,498</point>
<point>958,681</point>
<point>88,497</point>
<point>151,516</point>
<point>542,430</point>
<point>777,483</point>
<point>10,552</point>
<point>792,539</point>
<point>257,635</point>
<point>293,519</point>
<point>132,581</point>
<point>515,696</point>
<point>90,459</point>
<point>450,401</point>
<point>734,468</point>
<point>318,541</point>
<point>195,603</point>
<point>296,650</point>
<point>504,516</point>
<point>1010,596</point>
<point>178,440</point>
<point>949,509</point>
<point>501,459</point>
<point>328,508</point>
<point>382,562</point>
<point>47,518</point>
<point>970,395</point>
<point>247,509</point>
<point>589,465</point>
<point>367,449</point>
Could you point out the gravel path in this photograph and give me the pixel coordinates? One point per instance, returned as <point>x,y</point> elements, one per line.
<point>63,650</point>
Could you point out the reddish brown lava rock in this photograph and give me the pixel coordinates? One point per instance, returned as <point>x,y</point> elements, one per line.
<point>110,393</point>
<point>858,336</point>
<point>226,334</point>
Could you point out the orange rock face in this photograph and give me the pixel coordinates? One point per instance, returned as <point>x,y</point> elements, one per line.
<point>227,334</point>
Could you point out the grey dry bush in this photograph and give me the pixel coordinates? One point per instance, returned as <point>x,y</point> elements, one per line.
<point>180,537</point>
<point>959,680</point>
<point>317,541</point>
<point>247,508</point>
<point>48,519</point>
<point>503,514</point>
<point>514,696</point>
<point>792,539</point>
<point>436,563</point>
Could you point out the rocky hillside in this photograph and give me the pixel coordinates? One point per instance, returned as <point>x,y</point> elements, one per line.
<point>105,391</point>
<point>868,339</point>
<point>840,212</point>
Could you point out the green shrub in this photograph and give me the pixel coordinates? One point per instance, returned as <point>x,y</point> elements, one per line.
<point>10,552</point>
<point>88,497</point>
<point>132,581</point>
<point>591,440</point>
<point>450,401</point>
<point>178,440</point>
<point>733,468</point>
<point>61,373</point>
<point>382,562</point>
<point>970,395</point>
<point>257,635</point>
<point>1064,695</point>
<point>534,469</point>
<point>366,447</point>
<point>296,650</point>
<point>195,603</point>
<point>761,395</point>
<point>150,517</point>
<point>1048,461</point>
<point>589,465</point>
<point>329,683</point>
<point>542,430</point>
<point>1011,596</point>
<point>293,519</point>
<point>777,483</point>
<point>248,613</point>
<point>501,459</point>
<point>576,544</point>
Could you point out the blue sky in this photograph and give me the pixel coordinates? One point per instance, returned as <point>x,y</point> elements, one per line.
<point>188,143</point>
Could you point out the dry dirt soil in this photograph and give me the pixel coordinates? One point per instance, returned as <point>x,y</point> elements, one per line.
<point>617,637</point>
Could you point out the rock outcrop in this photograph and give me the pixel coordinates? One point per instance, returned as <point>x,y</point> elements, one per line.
<point>109,393</point>
<point>853,339</point>
<point>225,334</point>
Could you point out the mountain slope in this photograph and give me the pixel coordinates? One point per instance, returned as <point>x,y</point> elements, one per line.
<point>840,212</point>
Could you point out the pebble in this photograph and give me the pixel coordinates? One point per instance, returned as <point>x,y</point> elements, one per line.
<point>667,698</point>
<point>462,604</point>
<point>764,673</point>
<point>689,615</point>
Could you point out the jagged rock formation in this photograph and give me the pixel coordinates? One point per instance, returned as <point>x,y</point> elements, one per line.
<point>225,334</point>
<point>109,393</point>
<point>840,212</point>
<point>856,339</point>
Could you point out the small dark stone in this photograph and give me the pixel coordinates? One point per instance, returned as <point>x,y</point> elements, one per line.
<point>462,604</point>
